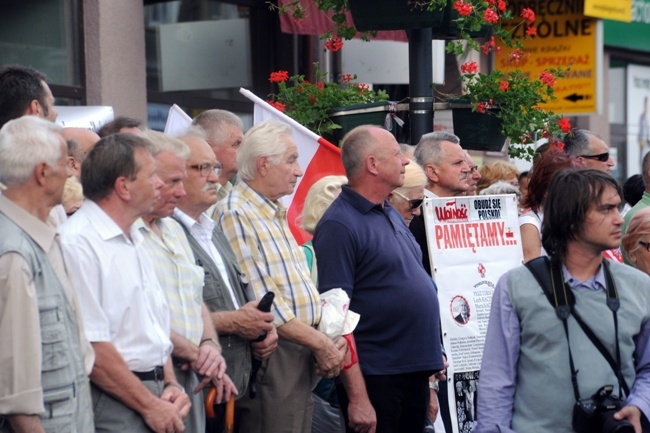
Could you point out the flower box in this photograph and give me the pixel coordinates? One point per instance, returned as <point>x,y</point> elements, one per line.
<point>372,15</point>
<point>476,131</point>
<point>374,113</point>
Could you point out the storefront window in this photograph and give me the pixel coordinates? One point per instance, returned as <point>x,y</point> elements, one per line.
<point>198,53</point>
<point>44,34</point>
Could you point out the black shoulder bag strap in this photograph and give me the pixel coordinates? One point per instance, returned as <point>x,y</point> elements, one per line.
<point>548,274</point>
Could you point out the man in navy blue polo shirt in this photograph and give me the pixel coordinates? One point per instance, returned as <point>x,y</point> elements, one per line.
<point>364,247</point>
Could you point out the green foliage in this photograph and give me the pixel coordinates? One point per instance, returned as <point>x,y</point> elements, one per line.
<point>308,102</point>
<point>518,100</point>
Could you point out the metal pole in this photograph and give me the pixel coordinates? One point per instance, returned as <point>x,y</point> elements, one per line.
<point>420,79</point>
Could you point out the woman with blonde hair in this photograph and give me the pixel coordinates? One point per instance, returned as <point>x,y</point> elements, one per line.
<point>327,418</point>
<point>319,197</point>
<point>73,196</point>
<point>497,170</point>
<point>408,198</point>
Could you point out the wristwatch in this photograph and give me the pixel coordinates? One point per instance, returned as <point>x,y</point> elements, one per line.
<point>434,385</point>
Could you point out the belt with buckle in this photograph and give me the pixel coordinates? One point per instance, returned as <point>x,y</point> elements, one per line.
<point>156,374</point>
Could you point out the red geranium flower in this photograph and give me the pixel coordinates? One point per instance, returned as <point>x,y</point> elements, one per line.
<point>529,15</point>
<point>488,46</point>
<point>347,78</point>
<point>490,16</point>
<point>464,9</point>
<point>362,87</point>
<point>565,125</point>
<point>504,85</point>
<point>531,31</point>
<point>547,78</point>
<point>277,105</point>
<point>320,85</point>
<point>501,6</point>
<point>334,44</point>
<point>469,68</point>
<point>279,77</point>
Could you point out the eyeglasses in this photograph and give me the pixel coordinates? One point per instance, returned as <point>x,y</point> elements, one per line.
<point>205,169</point>
<point>413,203</point>
<point>645,245</point>
<point>602,157</point>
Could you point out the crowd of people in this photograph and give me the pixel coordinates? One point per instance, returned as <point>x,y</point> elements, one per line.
<point>132,266</point>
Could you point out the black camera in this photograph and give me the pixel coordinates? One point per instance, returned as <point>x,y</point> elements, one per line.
<point>596,414</point>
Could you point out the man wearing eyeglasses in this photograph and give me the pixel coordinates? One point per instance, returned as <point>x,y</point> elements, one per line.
<point>643,203</point>
<point>225,291</point>
<point>590,148</point>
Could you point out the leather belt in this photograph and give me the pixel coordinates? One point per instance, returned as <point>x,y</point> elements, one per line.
<point>156,374</point>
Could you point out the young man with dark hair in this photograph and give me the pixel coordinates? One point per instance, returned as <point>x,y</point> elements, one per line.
<point>535,352</point>
<point>23,91</point>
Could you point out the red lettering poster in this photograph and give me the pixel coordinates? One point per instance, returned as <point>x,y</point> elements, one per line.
<point>472,242</point>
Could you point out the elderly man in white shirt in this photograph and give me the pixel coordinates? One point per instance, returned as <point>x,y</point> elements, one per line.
<point>197,359</point>
<point>125,313</point>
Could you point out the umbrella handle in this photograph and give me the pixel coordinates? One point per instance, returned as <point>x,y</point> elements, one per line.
<point>230,414</point>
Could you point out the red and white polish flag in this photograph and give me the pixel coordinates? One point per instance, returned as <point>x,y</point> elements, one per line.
<point>317,158</point>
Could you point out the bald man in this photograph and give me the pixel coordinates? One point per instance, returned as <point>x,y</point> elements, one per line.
<point>82,140</point>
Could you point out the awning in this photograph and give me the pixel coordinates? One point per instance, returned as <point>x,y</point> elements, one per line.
<point>318,23</point>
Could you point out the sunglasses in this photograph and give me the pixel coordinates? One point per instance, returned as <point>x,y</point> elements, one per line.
<point>645,245</point>
<point>413,203</point>
<point>602,157</point>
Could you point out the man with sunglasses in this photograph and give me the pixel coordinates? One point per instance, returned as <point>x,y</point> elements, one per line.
<point>643,203</point>
<point>590,148</point>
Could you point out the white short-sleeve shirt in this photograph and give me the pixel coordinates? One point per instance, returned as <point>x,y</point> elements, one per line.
<point>119,295</point>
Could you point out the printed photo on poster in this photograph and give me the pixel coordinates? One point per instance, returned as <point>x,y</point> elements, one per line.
<point>466,388</point>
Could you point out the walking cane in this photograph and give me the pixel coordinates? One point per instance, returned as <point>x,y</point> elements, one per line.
<point>230,409</point>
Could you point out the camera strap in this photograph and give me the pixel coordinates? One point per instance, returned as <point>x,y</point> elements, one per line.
<point>548,274</point>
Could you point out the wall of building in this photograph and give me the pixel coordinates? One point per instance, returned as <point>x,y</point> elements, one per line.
<point>115,63</point>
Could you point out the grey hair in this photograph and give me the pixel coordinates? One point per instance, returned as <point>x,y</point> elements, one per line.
<point>501,187</point>
<point>196,131</point>
<point>264,139</point>
<point>214,123</point>
<point>26,142</point>
<point>429,149</point>
<point>576,142</point>
<point>164,143</point>
<point>354,148</point>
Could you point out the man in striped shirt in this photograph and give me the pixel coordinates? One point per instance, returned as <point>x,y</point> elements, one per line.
<point>255,224</point>
<point>196,356</point>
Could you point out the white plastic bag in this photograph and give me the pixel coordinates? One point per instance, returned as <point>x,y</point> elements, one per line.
<point>336,319</point>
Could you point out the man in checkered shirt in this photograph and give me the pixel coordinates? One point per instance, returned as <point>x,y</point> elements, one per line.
<point>255,224</point>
